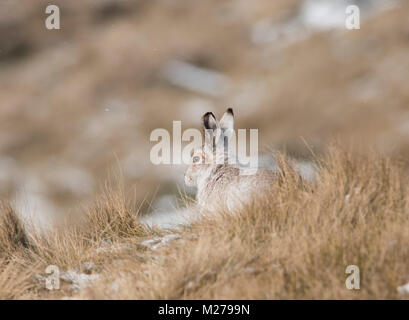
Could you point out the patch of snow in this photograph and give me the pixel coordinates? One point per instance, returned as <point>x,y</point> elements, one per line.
<point>167,214</point>
<point>284,34</point>
<point>266,161</point>
<point>78,281</point>
<point>169,219</point>
<point>35,210</point>
<point>165,202</point>
<point>323,14</point>
<point>112,248</point>
<point>158,242</point>
<point>402,290</point>
<point>306,169</point>
<point>194,78</point>
<point>315,16</point>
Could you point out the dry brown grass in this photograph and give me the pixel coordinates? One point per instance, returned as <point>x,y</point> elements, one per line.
<point>12,234</point>
<point>296,244</point>
<point>92,236</point>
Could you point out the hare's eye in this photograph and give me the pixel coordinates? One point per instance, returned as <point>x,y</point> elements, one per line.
<point>196,159</point>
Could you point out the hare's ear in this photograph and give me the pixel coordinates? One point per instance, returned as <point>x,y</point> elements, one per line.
<point>227,125</point>
<point>209,121</point>
<point>211,129</point>
<point>227,121</point>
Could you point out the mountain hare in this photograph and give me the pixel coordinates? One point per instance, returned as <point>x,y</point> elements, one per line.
<point>219,182</point>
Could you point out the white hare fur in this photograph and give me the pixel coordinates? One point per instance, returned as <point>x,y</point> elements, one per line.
<point>219,183</point>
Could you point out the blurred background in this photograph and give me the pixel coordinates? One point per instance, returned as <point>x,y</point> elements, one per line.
<point>80,102</point>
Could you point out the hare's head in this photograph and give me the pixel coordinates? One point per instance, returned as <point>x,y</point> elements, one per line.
<point>215,150</point>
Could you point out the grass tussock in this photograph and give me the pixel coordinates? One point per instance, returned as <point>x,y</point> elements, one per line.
<point>293,244</point>
<point>12,233</point>
<point>112,216</point>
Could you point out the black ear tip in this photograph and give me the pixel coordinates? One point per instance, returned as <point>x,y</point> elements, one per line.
<point>230,110</point>
<point>208,114</point>
<point>205,119</point>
